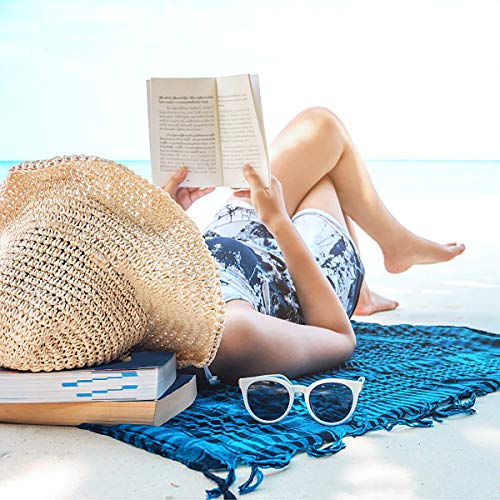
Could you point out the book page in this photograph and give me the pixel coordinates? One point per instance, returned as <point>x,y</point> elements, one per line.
<point>254,82</point>
<point>183,130</point>
<point>240,131</point>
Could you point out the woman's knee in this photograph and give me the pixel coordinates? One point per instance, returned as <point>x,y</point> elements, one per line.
<point>323,120</point>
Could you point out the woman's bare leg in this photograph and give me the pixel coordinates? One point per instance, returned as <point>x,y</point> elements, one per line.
<point>312,146</point>
<point>315,144</point>
<point>369,302</point>
<point>324,196</point>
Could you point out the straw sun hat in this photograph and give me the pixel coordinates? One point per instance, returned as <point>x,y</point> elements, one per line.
<point>94,261</point>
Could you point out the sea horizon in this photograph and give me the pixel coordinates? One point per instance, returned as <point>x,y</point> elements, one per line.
<point>143,167</point>
<point>393,177</point>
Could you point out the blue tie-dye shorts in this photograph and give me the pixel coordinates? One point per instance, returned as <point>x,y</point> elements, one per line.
<point>252,267</point>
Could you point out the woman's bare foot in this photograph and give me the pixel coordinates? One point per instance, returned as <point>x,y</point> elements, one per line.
<point>415,250</point>
<point>370,302</point>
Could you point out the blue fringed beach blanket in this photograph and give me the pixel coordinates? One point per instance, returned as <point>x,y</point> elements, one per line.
<point>414,375</point>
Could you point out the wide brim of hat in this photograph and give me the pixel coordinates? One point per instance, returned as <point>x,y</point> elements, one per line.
<point>174,274</point>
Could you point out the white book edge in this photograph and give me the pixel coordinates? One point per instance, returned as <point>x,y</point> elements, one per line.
<point>151,384</point>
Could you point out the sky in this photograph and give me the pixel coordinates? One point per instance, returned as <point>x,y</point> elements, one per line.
<point>410,80</point>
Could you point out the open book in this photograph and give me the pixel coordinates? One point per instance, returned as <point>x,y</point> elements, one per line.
<point>213,126</point>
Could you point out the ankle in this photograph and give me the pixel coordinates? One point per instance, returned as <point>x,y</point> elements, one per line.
<point>395,244</point>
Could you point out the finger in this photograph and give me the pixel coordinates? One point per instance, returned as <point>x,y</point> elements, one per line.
<point>173,184</point>
<point>184,198</point>
<point>242,193</point>
<point>252,177</point>
<point>193,189</point>
<point>275,180</point>
<point>275,183</point>
<point>175,180</point>
<point>199,193</point>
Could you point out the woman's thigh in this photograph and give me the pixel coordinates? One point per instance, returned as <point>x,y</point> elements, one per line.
<point>305,151</point>
<point>323,196</point>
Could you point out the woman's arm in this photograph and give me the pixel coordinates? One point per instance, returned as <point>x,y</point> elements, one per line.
<point>320,304</point>
<point>254,344</point>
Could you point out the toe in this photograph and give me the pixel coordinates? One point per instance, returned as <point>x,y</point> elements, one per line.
<point>392,305</point>
<point>456,249</point>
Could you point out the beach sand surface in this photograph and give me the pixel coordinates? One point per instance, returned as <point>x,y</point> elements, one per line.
<point>458,458</point>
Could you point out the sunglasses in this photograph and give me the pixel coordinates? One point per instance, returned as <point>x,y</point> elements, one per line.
<point>330,401</point>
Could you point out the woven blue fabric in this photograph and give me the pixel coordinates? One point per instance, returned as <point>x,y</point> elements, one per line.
<point>414,375</point>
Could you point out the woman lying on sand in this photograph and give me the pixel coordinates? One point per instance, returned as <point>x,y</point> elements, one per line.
<point>290,270</point>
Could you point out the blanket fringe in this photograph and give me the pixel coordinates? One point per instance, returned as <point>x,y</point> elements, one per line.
<point>455,407</point>
<point>247,486</point>
<point>278,462</point>
<point>318,450</point>
<point>431,413</point>
<point>424,417</point>
<point>222,487</point>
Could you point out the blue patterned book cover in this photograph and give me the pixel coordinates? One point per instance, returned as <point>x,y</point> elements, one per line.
<point>139,376</point>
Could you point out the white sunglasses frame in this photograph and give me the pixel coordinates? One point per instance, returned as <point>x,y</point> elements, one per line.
<point>354,385</point>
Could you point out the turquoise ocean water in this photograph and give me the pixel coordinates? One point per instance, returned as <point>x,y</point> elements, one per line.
<point>141,167</point>
<point>429,177</point>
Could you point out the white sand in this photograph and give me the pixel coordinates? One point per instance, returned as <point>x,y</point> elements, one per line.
<point>456,459</point>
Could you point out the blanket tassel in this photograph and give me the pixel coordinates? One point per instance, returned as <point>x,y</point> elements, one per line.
<point>454,408</point>
<point>433,412</point>
<point>277,462</point>
<point>222,487</point>
<point>424,419</point>
<point>247,486</point>
<point>318,450</point>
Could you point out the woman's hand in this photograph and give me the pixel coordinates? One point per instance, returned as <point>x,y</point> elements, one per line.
<point>267,202</point>
<point>184,196</point>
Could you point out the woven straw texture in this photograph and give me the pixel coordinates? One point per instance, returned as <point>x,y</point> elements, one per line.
<point>94,261</point>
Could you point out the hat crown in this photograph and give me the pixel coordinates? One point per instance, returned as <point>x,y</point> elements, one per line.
<point>110,261</point>
<point>59,302</point>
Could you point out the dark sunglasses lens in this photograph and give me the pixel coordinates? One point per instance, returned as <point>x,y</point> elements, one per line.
<point>331,402</point>
<point>268,400</point>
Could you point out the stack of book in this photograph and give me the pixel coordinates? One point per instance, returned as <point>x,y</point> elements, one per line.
<point>141,388</point>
